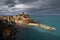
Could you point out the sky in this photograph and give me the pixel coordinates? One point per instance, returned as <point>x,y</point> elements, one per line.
<point>30,6</point>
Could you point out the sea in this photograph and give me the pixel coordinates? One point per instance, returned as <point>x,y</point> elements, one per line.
<point>37,33</point>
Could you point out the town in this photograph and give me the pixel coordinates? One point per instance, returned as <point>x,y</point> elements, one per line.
<point>24,19</point>
<point>7,23</point>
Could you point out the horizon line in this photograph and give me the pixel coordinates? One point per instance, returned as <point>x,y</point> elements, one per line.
<point>44,14</point>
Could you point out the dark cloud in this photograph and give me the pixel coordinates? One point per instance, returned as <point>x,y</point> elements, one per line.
<point>47,6</point>
<point>54,3</point>
<point>18,1</point>
<point>9,2</point>
<point>27,1</point>
<point>43,9</point>
<point>41,3</point>
<point>38,5</point>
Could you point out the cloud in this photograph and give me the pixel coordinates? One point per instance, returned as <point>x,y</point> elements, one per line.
<point>25,1</point>
<point>9,2</point>
<point>23,6</point>
<point>38,6</point>
<point>46,6</point>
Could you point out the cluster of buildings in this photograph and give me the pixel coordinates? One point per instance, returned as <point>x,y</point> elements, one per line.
<point>8,30</point>
<point>20,18</point>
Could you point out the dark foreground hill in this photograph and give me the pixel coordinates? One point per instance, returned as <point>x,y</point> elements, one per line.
<point>7,30</point>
